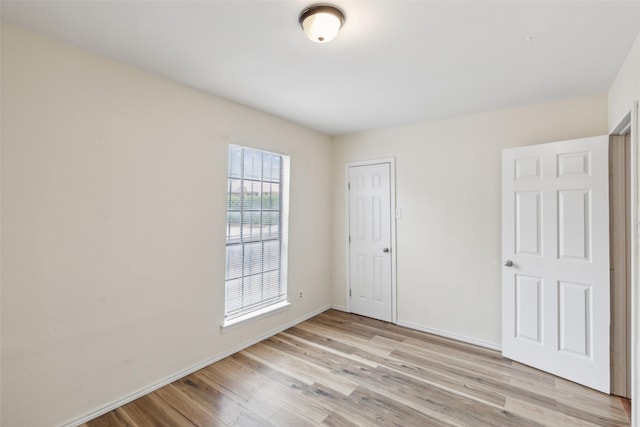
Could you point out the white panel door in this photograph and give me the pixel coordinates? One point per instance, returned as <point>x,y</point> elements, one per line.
<point>370,240</point>
<point>555,245</point>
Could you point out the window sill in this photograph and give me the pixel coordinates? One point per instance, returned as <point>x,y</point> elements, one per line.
<point>229,325</point>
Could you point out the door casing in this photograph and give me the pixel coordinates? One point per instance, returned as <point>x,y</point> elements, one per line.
<point>630,121</point>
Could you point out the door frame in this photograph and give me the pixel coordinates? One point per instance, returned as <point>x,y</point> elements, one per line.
<point>630,121</point>
<point>391,161</point>
<point>620,225</point>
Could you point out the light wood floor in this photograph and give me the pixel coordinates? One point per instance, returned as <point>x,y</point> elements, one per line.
<point>339,369</point>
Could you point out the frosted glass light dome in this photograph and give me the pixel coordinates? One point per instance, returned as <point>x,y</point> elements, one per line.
<point>321,23</point>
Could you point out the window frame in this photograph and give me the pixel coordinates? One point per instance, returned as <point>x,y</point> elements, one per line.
<point>271,304</point>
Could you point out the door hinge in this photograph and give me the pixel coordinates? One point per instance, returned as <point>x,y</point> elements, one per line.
<point>348,186</point>
<point>349,292</point>
<point>349,239</point>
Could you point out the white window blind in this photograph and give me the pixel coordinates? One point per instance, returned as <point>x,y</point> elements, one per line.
<point>257,207</point>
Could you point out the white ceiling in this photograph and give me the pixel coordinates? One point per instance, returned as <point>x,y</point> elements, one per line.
<point>394,62</point>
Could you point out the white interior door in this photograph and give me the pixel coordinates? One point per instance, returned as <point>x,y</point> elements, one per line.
<point>555,245</point>
<point>370,240</point>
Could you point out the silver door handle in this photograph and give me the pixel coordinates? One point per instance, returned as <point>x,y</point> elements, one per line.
<point>508,263</point>
<point>386,250</point>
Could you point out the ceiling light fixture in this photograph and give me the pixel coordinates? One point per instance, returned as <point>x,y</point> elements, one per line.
<point>321,23</point>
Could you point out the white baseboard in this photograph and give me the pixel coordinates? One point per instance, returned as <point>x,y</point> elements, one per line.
<point>146,390</point>
<point>462,338</point>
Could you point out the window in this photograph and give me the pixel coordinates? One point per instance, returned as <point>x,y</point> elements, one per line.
<point>257,207</point>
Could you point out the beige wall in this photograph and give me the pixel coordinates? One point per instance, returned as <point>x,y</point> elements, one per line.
<point>113,212</point>
<point>113,198</point>
<point>624,91</point>
<point>448,187</point>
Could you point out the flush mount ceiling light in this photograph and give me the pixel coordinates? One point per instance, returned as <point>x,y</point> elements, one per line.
<point>321,23</point>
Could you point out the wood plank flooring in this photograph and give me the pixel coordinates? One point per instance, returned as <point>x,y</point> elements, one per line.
<point>339,369</point>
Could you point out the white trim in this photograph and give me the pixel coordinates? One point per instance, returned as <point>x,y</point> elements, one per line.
<point>629,123</point>
<point>394,246</point>
<point>347,281</point>
<point>270,310</point>
<point>624,125</point>
<point>392,186</point>
<point>168,380</point>
<point>635,308</point>
<point>461,338</point>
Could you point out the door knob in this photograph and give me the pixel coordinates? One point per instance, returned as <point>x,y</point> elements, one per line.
<point>508,263</point>
<point>385,250</point>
